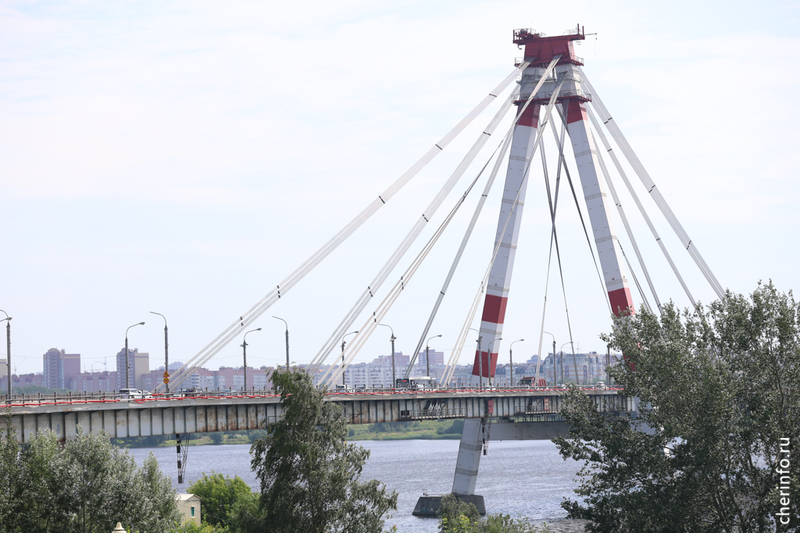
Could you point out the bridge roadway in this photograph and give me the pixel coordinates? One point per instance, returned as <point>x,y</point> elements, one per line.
<point>162,415</point>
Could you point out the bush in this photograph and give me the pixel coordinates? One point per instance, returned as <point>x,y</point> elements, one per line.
<point>455,428</point>
<point>84,486</point>
<point>223,499</point>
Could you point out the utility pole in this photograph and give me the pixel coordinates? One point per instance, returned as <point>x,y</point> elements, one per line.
<point>344,383</point>
<point>511,363</point>
<point>244,355</point>
<point>127,359</point>
<point>166,351</point>
<point>392,339</point>
<point>287,339</point>
<point>427,356</point>
<point>7,320</point>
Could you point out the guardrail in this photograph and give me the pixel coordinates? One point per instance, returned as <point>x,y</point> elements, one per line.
<point>39,399</point>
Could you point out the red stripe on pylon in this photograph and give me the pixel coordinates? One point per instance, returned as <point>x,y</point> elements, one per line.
<point>575,111</point>
<point>489,364</point>
<point>494,309</point>
<point>530,117</point>
<point>621,301</point>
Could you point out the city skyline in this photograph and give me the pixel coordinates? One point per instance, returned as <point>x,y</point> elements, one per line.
<point>437,357</point>
<point>64,372</point>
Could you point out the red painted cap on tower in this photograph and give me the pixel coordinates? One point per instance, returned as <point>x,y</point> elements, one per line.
<point>540,49</point>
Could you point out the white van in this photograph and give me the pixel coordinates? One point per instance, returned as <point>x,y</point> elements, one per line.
<point>131,394</point>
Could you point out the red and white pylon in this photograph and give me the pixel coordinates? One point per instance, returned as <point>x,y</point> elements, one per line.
<point>540,51</point>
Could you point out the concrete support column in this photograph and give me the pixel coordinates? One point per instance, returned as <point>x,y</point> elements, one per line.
<point>469,456</point>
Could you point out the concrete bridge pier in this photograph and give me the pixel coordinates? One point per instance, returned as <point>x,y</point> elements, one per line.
<point>473,444</point>
<point>474,437</point>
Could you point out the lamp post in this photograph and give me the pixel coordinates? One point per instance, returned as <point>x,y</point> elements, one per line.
<point>343,342</point>
<point>166,351</point>
<point>244,355</point>
<point>511,363</point>
<point>480,359</point>
<point>127,359</point>
<point>489,355</point>
<point>392,339</point>
<point>287,339</point>
<point>427,357</point>
<point>555,374</point>
<point>7,320</point>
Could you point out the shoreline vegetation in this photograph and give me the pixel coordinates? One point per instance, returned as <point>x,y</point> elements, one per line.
<point>423,430</point>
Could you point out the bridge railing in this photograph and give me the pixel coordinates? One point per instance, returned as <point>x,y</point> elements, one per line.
<point>51,399</point>
<point>436,413</point>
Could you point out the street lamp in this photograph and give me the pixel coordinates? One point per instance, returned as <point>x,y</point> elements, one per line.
<point>427,358</point>
<point>480,359</point>
<point>287,339</point>
<point>511,363</point>
<point>343,342</point>
<point>392,339</point>
<point>575,364</point>
<point>127,359</point>
<point>166,351</point>
<point>244,355</point>
<point>7,320</point>
<point>555,374</point>
<point>489,355</point>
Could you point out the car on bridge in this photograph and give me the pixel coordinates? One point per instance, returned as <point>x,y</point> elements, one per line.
<point>133,394</point>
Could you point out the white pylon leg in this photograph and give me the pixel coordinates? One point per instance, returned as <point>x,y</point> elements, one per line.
<point>597,204</point>
<point>508,224</point>
<point>469,456</point>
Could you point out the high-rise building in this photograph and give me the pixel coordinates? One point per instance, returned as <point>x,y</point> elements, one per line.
<point>437,358</point>
<point>60,367</point>
<point>139,368</point>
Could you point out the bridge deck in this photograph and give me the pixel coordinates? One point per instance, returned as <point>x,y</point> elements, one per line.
<point>199,414</point>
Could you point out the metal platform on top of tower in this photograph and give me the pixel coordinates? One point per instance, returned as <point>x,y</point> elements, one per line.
<point>540,49</point>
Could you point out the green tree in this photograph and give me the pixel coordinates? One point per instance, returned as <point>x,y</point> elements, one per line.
<point>309,475</point>
<point>718,390</point>
<point>84,486</point>
<point>224,499</point>
<point>456,428</point>
<point>456,516</point>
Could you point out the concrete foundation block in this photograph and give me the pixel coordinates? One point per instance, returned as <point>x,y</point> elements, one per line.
<point>428,506</point>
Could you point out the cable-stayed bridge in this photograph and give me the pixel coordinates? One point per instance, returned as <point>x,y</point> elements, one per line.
<point>590,159</point>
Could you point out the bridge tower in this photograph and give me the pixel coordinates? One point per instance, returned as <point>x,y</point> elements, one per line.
<point>572,98</point>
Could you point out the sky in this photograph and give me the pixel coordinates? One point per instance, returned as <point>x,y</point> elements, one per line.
<point>185,157</point>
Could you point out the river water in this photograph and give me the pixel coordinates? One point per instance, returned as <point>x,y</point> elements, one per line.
<point>518,478</point>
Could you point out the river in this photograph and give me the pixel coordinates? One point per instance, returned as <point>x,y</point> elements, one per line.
<point>518,478</point>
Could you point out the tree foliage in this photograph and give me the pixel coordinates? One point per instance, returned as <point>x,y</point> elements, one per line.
<point>718,388</point>
<point>224,499</point>
<point>456,516</point>
<point>309,474</point>
<point>84,486</point>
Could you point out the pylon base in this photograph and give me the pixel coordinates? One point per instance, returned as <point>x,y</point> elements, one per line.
<point>428,506</point>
